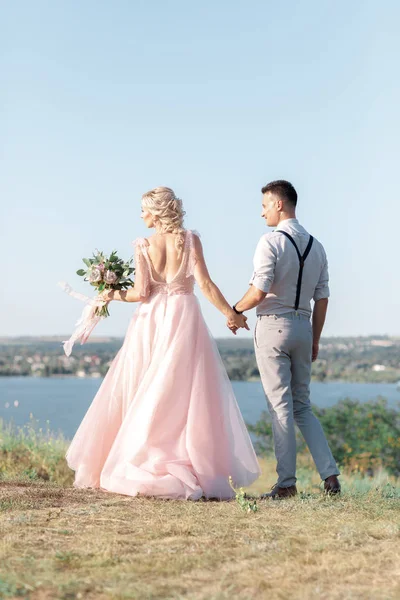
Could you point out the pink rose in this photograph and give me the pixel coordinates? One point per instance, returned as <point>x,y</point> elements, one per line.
<point>95,275</point>
<point>110,277</point>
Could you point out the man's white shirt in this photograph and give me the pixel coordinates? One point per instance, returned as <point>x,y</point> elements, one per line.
<point>276,270</point>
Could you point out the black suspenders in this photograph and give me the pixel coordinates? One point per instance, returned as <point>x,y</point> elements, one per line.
<point>301,261</point>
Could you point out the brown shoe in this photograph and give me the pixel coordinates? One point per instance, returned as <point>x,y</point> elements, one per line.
<point>332,485</point>
<point>280,492</point>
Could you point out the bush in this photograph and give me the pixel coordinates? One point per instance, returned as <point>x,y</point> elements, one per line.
<point>32,453</point>
<point>363,436</point>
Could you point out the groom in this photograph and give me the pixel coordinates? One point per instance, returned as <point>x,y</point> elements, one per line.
<point>290,269</point>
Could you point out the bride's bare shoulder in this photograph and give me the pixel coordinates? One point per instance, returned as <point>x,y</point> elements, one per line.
<point>156,241</point>
<point>140,241</point>
<point>196,243</point>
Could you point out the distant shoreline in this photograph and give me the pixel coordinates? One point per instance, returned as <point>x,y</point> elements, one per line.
<point>363,359</point>
<point>251,380</point>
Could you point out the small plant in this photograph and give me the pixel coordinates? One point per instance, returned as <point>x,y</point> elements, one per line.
<point>389,491</point>
<point>67,559</point>
<point>30,473</point>
<point>14,590</point>
<point>246,504</point>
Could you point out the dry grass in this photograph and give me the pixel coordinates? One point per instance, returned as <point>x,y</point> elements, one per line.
<point>61,542</point>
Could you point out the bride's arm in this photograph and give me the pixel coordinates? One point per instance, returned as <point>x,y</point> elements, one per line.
<point>211,291</point>
<point>130,295</point>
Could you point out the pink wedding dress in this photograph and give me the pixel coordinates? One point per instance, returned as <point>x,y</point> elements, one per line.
<point>165,421</point>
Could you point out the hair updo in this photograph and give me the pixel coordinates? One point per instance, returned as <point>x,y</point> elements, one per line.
<point>167,211</point>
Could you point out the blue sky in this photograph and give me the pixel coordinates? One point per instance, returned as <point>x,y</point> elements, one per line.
<point>102,101</point>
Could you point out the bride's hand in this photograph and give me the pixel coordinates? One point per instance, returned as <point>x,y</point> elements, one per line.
<point>232,328</point>
<point>236,321</point>
<point>106,295</point>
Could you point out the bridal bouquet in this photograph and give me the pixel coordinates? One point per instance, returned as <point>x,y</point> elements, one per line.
<point>107,273</point>
<point>103,273</point>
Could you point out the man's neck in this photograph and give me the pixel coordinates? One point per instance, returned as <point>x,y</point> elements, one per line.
<point>284,216</point>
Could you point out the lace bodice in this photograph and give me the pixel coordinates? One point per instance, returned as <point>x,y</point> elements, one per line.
<point>182,283</point>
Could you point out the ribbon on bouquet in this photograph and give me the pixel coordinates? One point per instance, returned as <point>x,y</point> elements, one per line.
<point>88,319</point>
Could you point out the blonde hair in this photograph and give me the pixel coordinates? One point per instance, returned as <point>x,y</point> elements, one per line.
<point>168,211</point>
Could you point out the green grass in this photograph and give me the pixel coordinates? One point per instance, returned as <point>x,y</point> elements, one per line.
<point>32,453</point>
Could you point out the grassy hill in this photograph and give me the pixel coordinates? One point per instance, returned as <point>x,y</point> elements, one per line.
<point>66,543</point>
<point>61,542</point>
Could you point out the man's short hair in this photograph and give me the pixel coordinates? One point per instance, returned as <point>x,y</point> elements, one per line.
<point>283,189</point>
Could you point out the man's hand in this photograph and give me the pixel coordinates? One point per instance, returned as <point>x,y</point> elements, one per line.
<point>315,350</point>
<point>236,322</point>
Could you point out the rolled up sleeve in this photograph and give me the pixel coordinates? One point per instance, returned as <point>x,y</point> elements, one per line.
<point>264,266</point>
<point>322,287</point>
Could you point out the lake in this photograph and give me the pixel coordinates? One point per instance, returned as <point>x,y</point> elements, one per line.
<point>64,401</point>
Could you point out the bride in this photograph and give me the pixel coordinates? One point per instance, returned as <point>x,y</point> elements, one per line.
<point>165,421</point>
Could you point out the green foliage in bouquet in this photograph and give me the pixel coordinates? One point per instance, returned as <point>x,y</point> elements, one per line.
<point>363,436</point>
<point>107,273</point>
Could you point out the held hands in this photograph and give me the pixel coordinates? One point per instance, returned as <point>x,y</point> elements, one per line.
<point>236,322</point>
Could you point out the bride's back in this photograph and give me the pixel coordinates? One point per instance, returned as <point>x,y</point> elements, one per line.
<point>165,258</point>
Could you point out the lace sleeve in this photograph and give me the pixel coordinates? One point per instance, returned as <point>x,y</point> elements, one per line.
<point>142,279</point>
<point>192,252</point>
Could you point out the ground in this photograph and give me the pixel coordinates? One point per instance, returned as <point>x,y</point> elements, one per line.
<point>62,542</point>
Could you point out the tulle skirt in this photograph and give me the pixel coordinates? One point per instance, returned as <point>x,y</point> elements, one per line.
<point>165,421</point>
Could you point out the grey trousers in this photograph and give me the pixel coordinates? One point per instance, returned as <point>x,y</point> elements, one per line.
<point>283,345</point>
